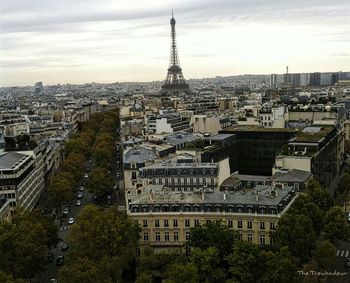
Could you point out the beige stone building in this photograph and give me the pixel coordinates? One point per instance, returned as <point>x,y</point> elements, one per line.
<point>166,217</point>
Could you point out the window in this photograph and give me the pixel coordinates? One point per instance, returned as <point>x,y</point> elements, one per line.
<point>175,223</point>
<point>250,237</point>
<point>249,224</point>
<point>166,236</point>
<point>204,181</point>
<point>208,221</point>
<point>145,223</point>
<point>208,208</point>
<point>157,236</point>
<point>187,236</point>
<point>145,237</point>
<point>133,175</point>
<point>166,181</point>
<point>156,223</point>
<point>160,182</point>
<point>196,222</point>
<point>187,223</point>
<point>240,236</point>
<point>212,181</point>
<point>272,226</point>
<point>262,239</point>
<point>262,225</point>
<point>176,236</point>
<point>191,181</point>
<point>239,224</point>
<point>166,223</point>
<point>230,223</point>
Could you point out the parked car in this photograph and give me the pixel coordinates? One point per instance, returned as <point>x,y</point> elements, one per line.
<point>349,216</point>
<point>95,199</point>
<point>80,195</point>
<point>60,260</point>
<point>109,199</point>
<point>71,220</point>
<point>53,280</point>
<point>81,188</point>
<point>86,176</point>
<point>64,246</point>
<point>66,210</point>
<point>347,262</point>
<point>78,203</point>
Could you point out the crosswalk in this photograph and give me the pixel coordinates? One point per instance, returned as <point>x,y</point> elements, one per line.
<point>342,253</point>
<point>64,227</point>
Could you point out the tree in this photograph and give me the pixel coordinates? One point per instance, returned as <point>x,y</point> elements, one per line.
<point>78,145</point>
<point>74,164</point>
<point>144,278</point>
<point>207,236</point>
<point>279,266</point>
<point>343,189</point>
<point>100,182</point>
<point>336,225</point>
<point>296,232</point>
<point>304,206</point>
<point>107,239</point>
<point>4,278</point>
<point>182,272</point>
<point>83,270</point>
<point>61,189</point>
<point>24,245</point>
<point>325,255</point>
<point>318,195</point>
<point>209,264</point>
<point>243,262</point>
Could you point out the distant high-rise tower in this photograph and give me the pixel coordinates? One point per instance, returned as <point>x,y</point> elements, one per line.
<point>315,79</point>
<point>175,82</point>
<point>273,81</point>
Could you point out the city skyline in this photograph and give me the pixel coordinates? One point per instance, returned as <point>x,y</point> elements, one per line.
<point>109,41</point>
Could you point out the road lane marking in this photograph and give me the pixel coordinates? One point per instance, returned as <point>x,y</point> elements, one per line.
<point>342,253</point>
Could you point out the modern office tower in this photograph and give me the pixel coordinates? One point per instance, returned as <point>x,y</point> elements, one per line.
<point>175,82</point>
<point>273,81</point>
<point>296,80</point>
<point>334,78</point>
<point>38,87</point>
<point>287,77</point>
<point>304,79</point>
<point>326,79</point>
<point>315,79</point>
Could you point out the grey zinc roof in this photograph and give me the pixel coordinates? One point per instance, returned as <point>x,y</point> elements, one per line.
<point>294,175</point>
<point>139,155</point>
<point>242,197</point>
<point>181,138</point>
<point>219,137</point>
<point>10,159</point>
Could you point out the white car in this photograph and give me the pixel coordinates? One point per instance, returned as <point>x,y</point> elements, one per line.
<point>81,188</point>
<point>86,176</point>
<point>71,220</point>
<point>78,203</point>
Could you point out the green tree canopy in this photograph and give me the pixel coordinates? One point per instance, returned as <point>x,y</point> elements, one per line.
<point>100,181</point>
<point>336,225</point>
<point>182,272</point>
<point>213,235</point>
<point>106,239</point>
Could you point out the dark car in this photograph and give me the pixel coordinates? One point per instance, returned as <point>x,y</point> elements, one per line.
<point>64,246</point>
<point>347,262</point>
<point>60,260</point>
<point>95,199</point>
<point>50,257</point>
<point>109,199</point>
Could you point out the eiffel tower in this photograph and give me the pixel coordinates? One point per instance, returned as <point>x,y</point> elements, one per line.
<point>175,82</point>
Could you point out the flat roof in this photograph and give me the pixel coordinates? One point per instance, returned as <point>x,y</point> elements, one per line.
<point>10,159</point>
<point>251,128</point>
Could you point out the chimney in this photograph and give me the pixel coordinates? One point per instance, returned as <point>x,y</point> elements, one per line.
<point>203,196</point>
<point>257,195</point>
<point>150,195</point>
<point>224,195</point>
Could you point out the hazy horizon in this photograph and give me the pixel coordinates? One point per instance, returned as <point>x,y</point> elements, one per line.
<point>117,41</point>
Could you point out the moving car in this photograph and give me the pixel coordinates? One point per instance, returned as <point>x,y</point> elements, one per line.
<point>66,210</point>
<point>64,246</point>
<point>80,195</point>
<point>60,260</point>
<point>71,220</point>
<point>86,176</point>
<point>109,199</point>
<point>81,188</point>
<point>78,203</point>
<point>347,262</point>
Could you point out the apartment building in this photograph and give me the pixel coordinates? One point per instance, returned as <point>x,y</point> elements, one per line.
<point>166,217</point>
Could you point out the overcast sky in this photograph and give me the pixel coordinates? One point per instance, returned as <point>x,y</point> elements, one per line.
<point>76,41</point>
